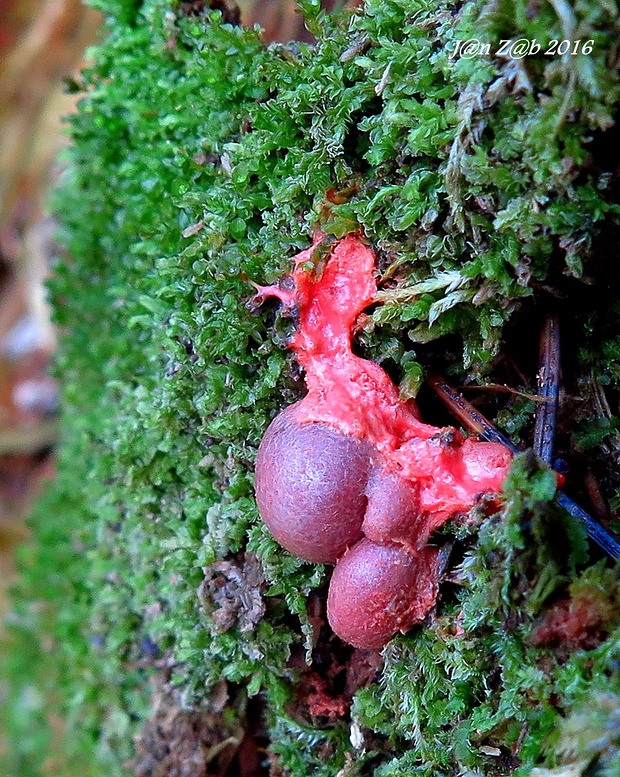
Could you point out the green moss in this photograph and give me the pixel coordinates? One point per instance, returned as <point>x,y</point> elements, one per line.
<point>201,159</point>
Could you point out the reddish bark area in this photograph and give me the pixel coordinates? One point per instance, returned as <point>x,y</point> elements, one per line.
<point>580,622</point>
<point>325,688</point>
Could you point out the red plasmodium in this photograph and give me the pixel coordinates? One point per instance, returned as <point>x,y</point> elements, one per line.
<point>350,475</point>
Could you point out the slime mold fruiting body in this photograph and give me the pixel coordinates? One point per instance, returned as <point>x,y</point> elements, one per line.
<point>350,474</point>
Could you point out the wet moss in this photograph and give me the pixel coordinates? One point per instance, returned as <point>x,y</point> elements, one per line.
<point>202,159</point>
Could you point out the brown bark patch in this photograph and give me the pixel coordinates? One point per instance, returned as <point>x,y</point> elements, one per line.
<point>176,742</point>
<point>232,593</point>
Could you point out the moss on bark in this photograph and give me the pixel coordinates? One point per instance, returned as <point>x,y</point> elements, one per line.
<point>202,159</point>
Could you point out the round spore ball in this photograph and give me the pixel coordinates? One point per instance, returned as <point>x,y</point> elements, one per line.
<point>393,510</point>
<point>310,482</point>
<point>378,590</point>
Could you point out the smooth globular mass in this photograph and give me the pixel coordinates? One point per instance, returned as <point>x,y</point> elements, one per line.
<point>350,475</point>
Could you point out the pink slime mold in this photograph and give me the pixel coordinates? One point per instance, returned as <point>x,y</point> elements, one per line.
<point>350,475</point>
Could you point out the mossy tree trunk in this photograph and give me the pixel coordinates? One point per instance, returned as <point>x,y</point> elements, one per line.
<point>201,159</point>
